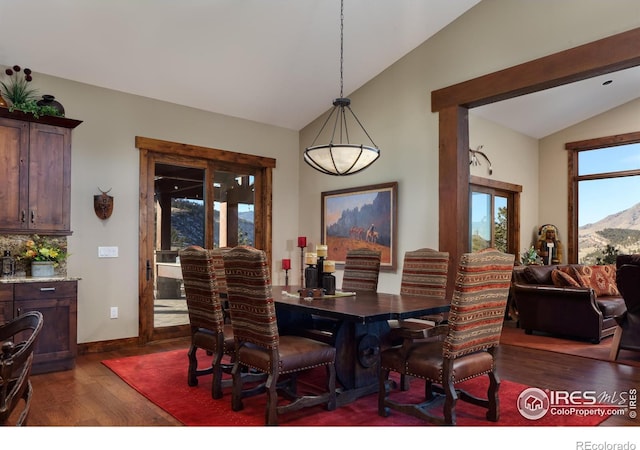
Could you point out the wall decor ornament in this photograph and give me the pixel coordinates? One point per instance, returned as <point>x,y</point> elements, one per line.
<point>103,204</point>
<point>361,217</point>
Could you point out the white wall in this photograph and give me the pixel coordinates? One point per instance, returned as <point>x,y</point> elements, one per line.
<point>514,158</point>
<point>395,108</point>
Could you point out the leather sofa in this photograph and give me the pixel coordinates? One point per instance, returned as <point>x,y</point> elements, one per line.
<point>566,311</point>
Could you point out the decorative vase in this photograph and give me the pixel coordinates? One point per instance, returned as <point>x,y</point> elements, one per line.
<point>3,102</point>
<point>41,269</point>
<point>50,100</point>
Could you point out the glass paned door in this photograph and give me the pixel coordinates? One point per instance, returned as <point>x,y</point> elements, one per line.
<point>179,222</point>
<point>233,209</point>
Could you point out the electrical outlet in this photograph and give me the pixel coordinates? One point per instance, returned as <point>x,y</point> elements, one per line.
<point>114,312</point>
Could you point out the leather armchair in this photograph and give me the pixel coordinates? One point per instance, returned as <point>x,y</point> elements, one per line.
<point>627,334</point>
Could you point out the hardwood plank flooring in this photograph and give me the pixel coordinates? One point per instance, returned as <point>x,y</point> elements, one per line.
<point>91,395</point>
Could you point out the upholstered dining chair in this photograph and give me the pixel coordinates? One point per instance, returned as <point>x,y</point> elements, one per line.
<point>361,270</point>
<point>221,280</point>
<point>471,337</point>
<point>627,333</point>
<point>206,318</point>
<point>16,361</point>
<point>259,346</point>
<point>424,274</point>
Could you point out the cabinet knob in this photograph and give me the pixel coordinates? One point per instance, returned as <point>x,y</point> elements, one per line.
<point>23,216</point>
<point>33,216</point>
<point>47,289</point>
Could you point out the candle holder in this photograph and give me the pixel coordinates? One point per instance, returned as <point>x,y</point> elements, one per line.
<point>321,251</point>
<point>320,271</point>
<point>302,243</point>
<point>311,276</point>
<point>311,272</point>
<point>286,265</point>
<point>328,279</point>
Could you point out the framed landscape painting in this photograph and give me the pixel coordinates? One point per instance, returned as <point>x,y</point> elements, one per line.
<point>362,217</point>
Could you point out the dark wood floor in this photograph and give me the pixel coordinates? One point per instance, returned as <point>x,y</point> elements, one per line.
<point>91,395</point>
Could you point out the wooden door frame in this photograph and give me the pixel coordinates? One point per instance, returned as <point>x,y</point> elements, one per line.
<point>210,159</point>
<point>607,55</point>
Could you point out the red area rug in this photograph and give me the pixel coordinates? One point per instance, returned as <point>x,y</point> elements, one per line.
<point>517,337</point>
<point>162,378</point>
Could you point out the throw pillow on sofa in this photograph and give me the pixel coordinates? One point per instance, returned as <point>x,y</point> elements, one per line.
<point>561,278</point>
<point>602,279</point>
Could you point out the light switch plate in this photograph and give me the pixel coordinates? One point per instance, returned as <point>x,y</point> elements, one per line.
<point>107,252</point>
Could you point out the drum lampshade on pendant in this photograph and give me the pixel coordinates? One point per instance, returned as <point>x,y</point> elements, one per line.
<point>339,156</point>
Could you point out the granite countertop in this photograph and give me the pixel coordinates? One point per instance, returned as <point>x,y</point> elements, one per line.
<point>15,280</point>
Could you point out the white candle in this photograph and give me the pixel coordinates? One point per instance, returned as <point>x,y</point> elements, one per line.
<point>321,250</point>
<point>329,266</point>
<point>310,258</point>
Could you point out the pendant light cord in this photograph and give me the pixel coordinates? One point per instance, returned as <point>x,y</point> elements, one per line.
<point>341,47</point>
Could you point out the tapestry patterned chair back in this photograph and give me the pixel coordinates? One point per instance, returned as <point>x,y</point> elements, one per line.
<point>200,288</point>
<point>361,270</point>
<point>479,301</point>
<point>251,305</point>
<point>218,268</point>
<point>424,273</point>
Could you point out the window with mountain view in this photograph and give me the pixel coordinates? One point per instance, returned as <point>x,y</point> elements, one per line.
<point>494,211</point>
<point>607,187</point>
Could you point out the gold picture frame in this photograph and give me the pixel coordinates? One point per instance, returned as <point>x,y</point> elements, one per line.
<point>361,217</point>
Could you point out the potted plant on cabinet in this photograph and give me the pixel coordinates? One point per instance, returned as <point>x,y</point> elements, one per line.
<point>44,254</point>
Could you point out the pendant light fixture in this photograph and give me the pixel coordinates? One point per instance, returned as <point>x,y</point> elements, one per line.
<point>340,156</point>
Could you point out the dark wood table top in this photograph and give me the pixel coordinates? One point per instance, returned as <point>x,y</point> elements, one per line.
<point>362,307</point>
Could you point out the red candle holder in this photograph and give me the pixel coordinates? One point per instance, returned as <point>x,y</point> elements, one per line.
<point>302,243</point>
<point>286,265</point>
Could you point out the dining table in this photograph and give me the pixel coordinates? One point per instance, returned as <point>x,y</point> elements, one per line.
<point>360,328</point>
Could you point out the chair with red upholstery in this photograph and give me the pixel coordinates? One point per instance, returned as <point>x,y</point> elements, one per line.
<point>361,270</point>
<point>424,273</point>
<point>16,361</point>
<point>471,337</point>
<point>260,347</point>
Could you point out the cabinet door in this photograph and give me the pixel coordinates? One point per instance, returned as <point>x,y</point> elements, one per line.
<point>49,178</point>
<point>57,344</point>
<point>14,148</point>
<point>6,302</point>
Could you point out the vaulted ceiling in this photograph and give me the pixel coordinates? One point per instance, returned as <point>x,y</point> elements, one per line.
<point>270,61</point>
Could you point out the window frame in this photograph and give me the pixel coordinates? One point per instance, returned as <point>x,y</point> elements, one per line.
<point>574,148</point>
<point>512,193</point>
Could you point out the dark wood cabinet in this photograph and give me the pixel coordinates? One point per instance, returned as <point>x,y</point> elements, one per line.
<point>57,346</point>
<point>36,173</point>
<point>6,302</point>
